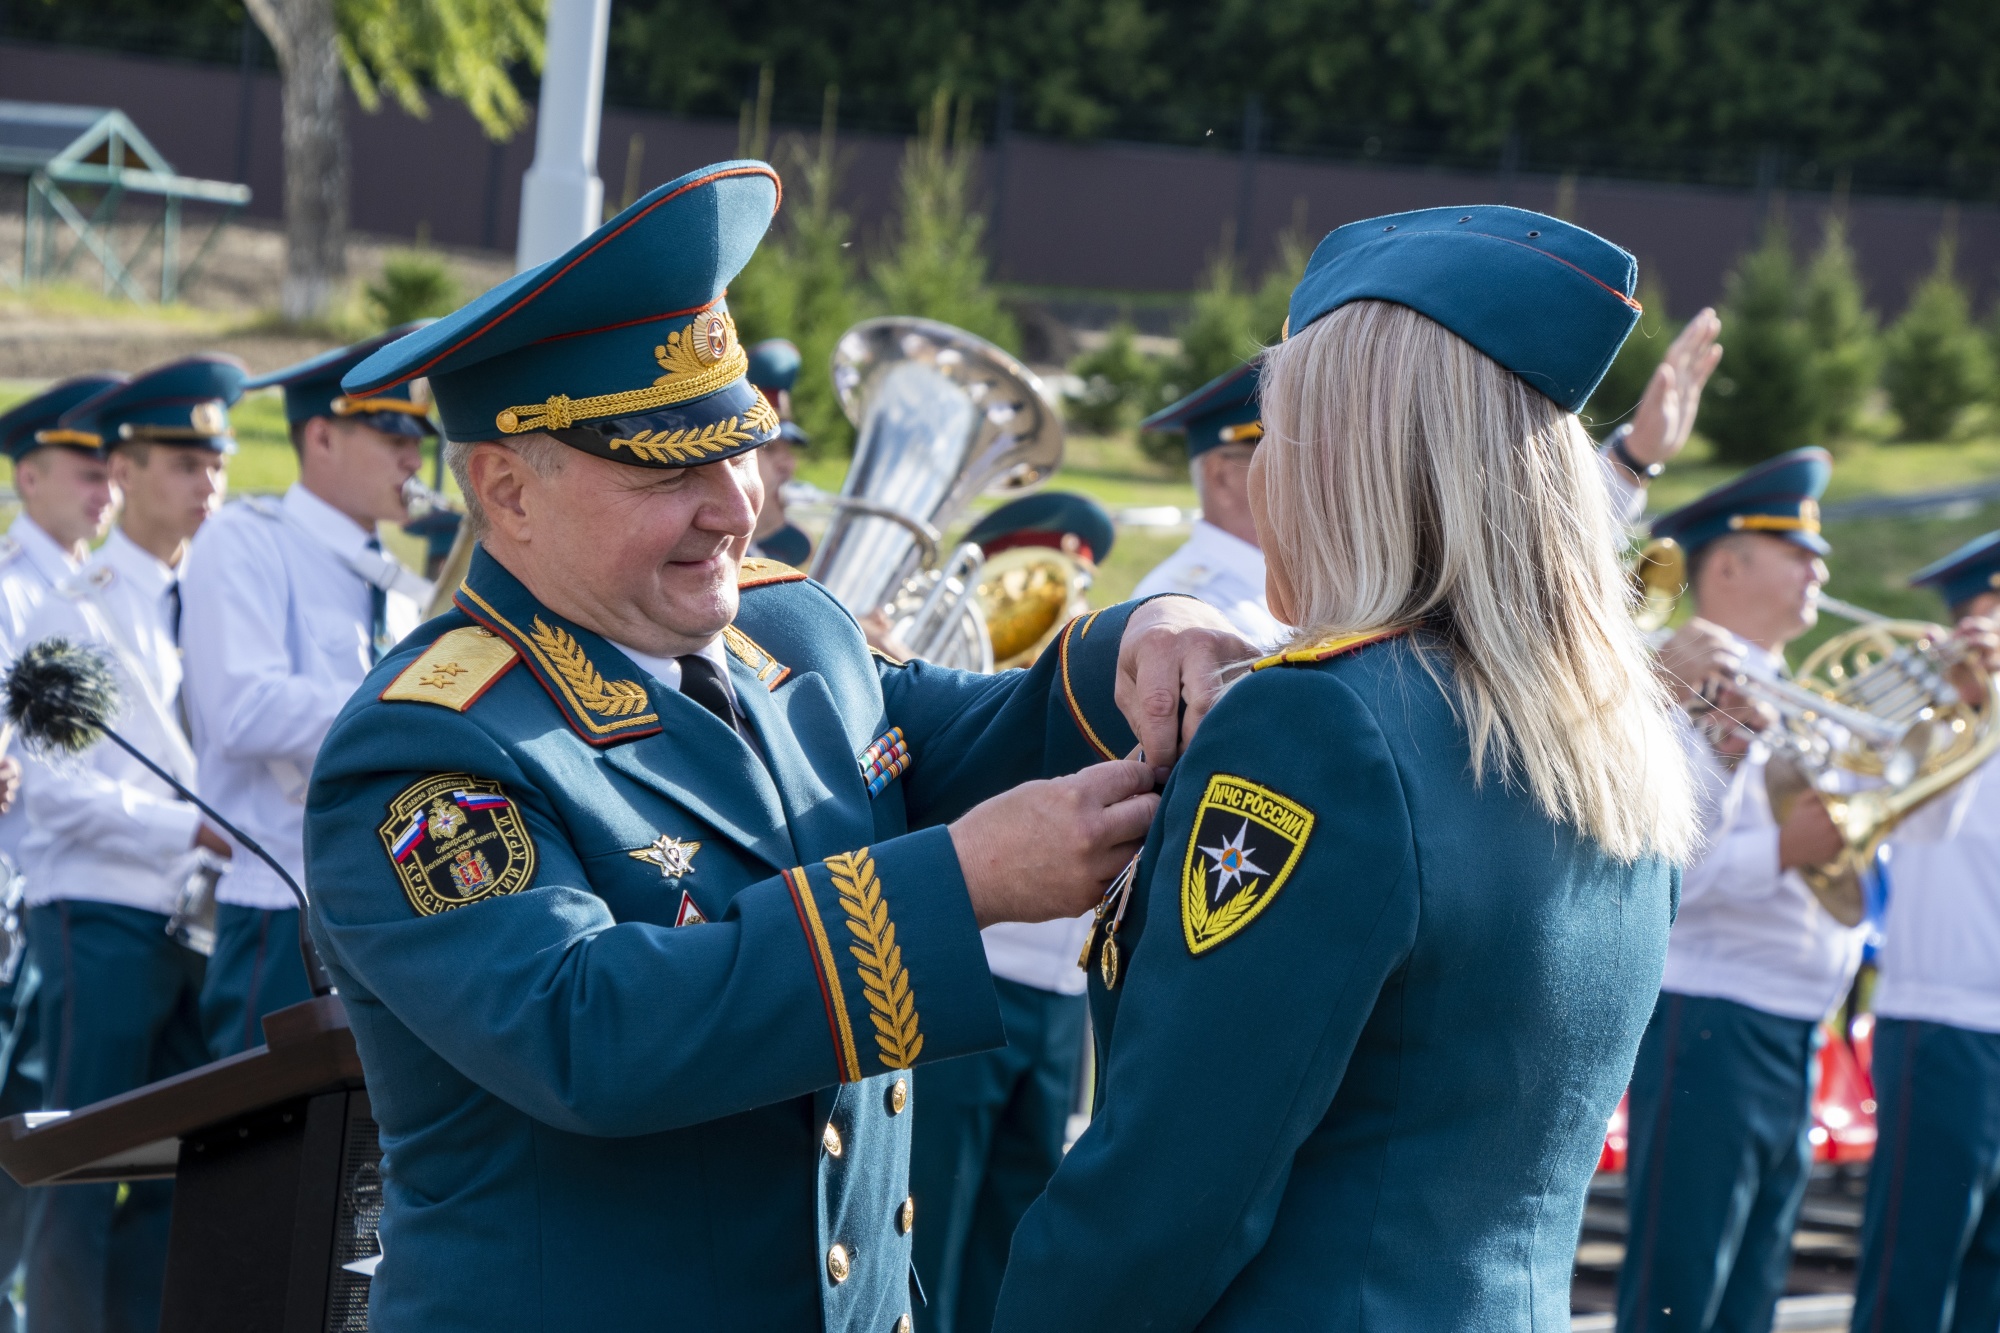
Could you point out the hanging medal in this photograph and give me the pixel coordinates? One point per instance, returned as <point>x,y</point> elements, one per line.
<point>1116,899</point>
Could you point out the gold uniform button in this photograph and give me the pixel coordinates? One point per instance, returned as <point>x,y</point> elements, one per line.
<point>902,1324</point>
<point>831,1141</point>
<point>899,1096</point>
<point>836,1263</point>
<point>906,1216</point>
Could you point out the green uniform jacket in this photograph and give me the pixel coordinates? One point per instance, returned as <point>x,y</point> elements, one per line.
<point>634,1002</point>
<point>1372,1020</point>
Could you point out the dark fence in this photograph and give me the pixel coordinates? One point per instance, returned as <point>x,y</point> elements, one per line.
<point>1097,217</point>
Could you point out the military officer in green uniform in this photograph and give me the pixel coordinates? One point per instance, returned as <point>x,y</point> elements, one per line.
<point>1378,978</point>
<point>644,882</point>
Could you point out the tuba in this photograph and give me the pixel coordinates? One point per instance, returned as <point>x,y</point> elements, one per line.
<point>942,417</point>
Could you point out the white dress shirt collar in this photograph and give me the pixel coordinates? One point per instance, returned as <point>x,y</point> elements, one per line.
<point>1209,542</point>
<point>148,574</point>
<point>42,550</point>
<point>325,524</point>
<point>667,670</point>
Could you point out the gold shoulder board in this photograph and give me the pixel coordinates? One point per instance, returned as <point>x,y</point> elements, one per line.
<point>1326,648</point>
<point>757,571</point>
<point>455,670</point>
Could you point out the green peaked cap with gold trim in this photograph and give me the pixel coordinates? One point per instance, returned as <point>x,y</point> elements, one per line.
<point>622,347</point>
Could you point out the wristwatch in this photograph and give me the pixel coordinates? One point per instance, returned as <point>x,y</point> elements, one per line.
<point>1615,446</point>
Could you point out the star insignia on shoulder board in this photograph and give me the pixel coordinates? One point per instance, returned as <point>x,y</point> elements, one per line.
<point>440,677</point>
<point>674,856</point>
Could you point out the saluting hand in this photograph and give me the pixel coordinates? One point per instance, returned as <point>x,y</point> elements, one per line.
<point>1661,426</point>
<point>1048,849</point>
<point>1173,652</point>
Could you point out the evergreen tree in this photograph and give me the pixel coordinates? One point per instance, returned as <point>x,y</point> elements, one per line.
<point>1120,385</point>
<point>802,283</point>
<point>1619,392</point>
<point>1274,294</point>
<point>1760,402</point>
<point>1847,356</point>
<point>1934,362</point>
<point>936,266</point>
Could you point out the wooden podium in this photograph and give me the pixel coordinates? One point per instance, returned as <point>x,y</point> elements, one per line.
<point>277,1171</point>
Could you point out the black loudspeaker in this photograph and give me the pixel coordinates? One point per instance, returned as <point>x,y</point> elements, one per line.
<point>275,1217</point>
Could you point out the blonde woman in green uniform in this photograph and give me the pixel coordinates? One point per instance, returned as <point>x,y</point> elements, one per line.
<point>1378,979</point>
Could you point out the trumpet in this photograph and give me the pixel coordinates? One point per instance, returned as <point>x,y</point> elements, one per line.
<point>1874,723</point>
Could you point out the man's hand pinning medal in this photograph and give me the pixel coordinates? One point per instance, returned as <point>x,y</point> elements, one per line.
<point>1047,849</point>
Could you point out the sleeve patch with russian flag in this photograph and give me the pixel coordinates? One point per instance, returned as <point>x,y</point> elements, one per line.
<point>455,839</point>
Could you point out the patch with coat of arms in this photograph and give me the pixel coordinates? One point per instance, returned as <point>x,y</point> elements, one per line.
<point>455,839</point>
<point>1245,842</point>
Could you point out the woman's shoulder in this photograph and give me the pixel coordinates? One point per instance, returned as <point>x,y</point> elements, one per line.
<point>1373,669</point>
<point>1322,694</point>
<point>1311,702</point>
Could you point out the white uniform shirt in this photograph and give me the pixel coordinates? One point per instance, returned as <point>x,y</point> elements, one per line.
<point>101,827</point>
<point>1940,954</point>
<point>1748,931</point>
<point>1226,572</point>
<point>276,630</point>
<point>31,565</point>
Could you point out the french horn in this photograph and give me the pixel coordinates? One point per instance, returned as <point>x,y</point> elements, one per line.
<point>1877,720</point>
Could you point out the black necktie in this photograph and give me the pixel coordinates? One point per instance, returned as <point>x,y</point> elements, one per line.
<point>378,611</point>
<point>701,681</point>
<point>174,610</point>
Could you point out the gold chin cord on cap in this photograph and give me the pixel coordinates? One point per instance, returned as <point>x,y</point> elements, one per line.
<point>698,360</point>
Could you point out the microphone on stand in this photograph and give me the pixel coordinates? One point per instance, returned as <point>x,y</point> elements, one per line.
<point>62,696</point>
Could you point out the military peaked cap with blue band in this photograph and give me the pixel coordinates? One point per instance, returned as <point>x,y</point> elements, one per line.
<point>1551,302</point>
<point>621,347</point>
<point>1222,411</point>
<point>1044,519</point>
<point>183,402</point>
<point>312,389</point>
<point>1972,569</point>
<point>31,424</point>
<point>774,364</point>
<point>1778,497</point>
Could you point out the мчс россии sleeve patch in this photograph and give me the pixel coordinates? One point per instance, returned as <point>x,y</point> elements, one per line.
<point>455,839</point>
<point>1245,841</point>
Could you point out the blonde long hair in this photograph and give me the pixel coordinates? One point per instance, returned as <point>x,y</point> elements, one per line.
<point>1410,479</point>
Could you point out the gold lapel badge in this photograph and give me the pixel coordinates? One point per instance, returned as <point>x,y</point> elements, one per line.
<point>674,856</point>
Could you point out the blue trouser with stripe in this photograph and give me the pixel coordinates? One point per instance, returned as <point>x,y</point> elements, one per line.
<point>118,1010</point>
<point>1721,1105</point>
<point>255,969</point>
<point>988,1135</point>
<point>1930,1238</point>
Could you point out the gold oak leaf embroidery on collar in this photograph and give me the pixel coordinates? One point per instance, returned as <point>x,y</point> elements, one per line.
<point>885,982</point>
<point>612,698</point>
